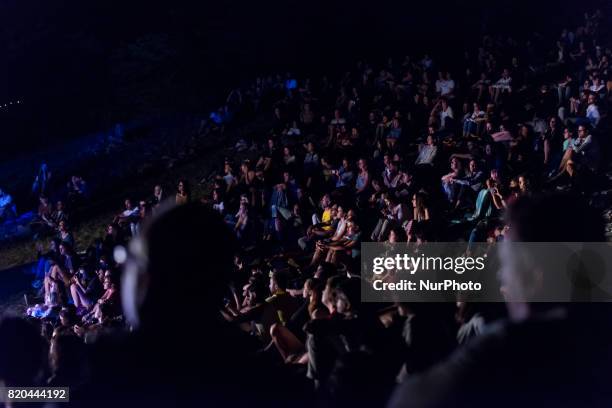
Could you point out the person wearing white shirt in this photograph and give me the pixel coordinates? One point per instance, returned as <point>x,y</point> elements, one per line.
<point>445,85</point>
<point>218,204</point>
<point>219,207</point>
<point>446,114</point>
<point>338,120</point>
<point>294,130</point>
<point>427,152</point>
<point>592,112</point>
<point>597,86</point>
<point>129,216</point>
<point>503,84</point>
<point>341,226</point>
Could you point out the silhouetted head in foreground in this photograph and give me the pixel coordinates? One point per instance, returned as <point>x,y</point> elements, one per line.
<point>532,270</point>
<point>178,268</point>
<point>174,280</point>
<point>555,218</point>
<point>551,353</point>
<point>22,352</point>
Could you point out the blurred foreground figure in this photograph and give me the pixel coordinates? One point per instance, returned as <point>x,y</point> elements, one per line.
<point>22,353</point>
<point>548,354</point>
<point>180,353</point>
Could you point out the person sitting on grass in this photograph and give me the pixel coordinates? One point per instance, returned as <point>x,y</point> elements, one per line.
<point>61,273</point>
<point>128,218</point>
<point>110,297</point>
<point>85,288</point>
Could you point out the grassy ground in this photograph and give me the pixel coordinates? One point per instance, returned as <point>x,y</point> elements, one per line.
<point>193,170</point>
<point>24,251</point>
<point>12,255</point>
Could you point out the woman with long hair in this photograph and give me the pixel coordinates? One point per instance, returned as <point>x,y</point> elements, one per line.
<point>420,209</point>
<point>183,194</point>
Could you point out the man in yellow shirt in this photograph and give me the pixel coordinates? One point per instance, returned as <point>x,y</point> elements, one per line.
<point>321,227</point>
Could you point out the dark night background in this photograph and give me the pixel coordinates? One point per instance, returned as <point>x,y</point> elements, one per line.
<point>79,66</point>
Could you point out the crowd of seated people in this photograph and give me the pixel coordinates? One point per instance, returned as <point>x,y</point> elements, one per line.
<point>57,205</point>
<point>410,151</point>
